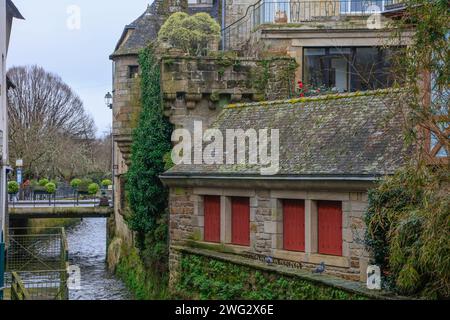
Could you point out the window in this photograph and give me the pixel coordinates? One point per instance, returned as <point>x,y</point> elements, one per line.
<point>294,225</point>
<point>330,227</point>
<point>200,2</point>
<point>358,6</point>
<point>349,68</point>
<point>211,207</point>
<point>440,102</point>
<point>133,72</point>
<point>240,221</point>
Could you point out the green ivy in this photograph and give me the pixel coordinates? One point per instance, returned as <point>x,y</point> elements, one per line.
<point>205,278</point>
<point>147,196</point>
<point>146,272</point>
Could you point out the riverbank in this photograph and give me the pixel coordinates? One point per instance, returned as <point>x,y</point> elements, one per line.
<point>38,225</point>
<point>141,281</point>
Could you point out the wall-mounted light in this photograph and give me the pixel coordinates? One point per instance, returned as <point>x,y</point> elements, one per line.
<point>109,100</point>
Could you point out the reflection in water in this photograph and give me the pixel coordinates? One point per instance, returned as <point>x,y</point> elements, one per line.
<point>87,250</point>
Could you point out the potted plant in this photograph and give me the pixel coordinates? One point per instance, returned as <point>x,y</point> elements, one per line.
<point>50,188</point>
<point>106,183</point>
<point>13,188</point>
<point>93,189</point>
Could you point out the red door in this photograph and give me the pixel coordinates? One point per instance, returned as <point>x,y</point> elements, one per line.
<point>240,221</point>
<point>211,207</point>
<point>294,225</point>
<point>330,227</point>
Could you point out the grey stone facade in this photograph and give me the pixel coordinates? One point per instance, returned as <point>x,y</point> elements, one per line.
<point>266,225</point>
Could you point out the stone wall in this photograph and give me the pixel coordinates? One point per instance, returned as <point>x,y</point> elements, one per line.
<point>236,9</point>
<point>196,88</point>
<point>266,225</point>
<point>291,39</point>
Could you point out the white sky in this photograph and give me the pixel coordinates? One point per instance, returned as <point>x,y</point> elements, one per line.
<point>79,56</point>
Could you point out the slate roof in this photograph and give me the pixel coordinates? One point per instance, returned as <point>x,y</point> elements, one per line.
<point>355,134</point>
<point>13,11</point>
<point>137,35</point>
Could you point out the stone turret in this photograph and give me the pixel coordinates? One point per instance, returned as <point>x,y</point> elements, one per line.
<point>135,37</point>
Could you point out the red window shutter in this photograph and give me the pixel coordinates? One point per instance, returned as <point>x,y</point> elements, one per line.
<point>240,221</point>
<point>330,227</point>
<point>294,225</point>
<point>211,206</point>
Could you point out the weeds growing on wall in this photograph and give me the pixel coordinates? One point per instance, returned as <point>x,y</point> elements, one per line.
<point>205,278</point>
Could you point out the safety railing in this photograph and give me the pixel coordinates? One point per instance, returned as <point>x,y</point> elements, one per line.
<point>39,261</point>
<point>269,12</point>
<point>18,290</point>
<point>39,285</point>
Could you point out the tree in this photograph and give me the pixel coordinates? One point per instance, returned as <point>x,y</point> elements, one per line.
<point>192,34</point>
<point>408,221</point>
<point>48,125</point>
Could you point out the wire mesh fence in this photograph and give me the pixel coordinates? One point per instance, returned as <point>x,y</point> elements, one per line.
<point>38,263</point>
<point>38,285</point>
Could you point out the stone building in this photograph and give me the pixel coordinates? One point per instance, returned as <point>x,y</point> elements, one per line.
<point>193,88</point>
<point>336,44</point>
<point>332,149</point>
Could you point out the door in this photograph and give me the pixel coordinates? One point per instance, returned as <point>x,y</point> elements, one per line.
<point>330,227</point>
<point>211,207</point>
<point>240,221</point>
<point>294,225</point>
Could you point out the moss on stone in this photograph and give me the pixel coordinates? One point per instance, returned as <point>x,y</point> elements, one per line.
<point>207,278</point>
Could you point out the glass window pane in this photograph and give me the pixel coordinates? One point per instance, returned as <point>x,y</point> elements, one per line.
<point>314,52</point>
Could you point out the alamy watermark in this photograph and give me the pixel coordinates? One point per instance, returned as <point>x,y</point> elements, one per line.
<point>374,20</point>
<point>74,278</point>
<point>73,21</point>
<point>233,147</point>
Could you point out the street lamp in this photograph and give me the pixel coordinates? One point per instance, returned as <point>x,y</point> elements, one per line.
<point>109,104</point>
<point>109,100</point>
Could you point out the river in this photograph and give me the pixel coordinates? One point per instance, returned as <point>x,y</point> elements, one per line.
<point>87,250</point>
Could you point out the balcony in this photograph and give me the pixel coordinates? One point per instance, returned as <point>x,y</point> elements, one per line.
<point>295,12</point>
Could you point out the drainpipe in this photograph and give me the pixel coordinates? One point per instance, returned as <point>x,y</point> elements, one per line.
<point>2,265</point>
<point>223,24</point>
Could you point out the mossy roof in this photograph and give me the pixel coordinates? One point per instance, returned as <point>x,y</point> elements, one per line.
<point>357,134</point>
<point>141,32</point>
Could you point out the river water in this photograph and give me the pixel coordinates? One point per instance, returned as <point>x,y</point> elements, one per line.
<point>87,250</point>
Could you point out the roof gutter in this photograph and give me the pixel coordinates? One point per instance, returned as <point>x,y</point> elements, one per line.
<point>283,178</point>
<point>309,183</point>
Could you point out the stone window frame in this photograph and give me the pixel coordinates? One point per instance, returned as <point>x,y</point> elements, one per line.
<point>225,214</point>
<point>311,253</point>
<point>133,71</point>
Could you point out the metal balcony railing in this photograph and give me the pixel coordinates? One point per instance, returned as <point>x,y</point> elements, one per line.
<point>268,12</point>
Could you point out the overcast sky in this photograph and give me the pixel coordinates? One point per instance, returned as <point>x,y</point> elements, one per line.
<point>52,38</point>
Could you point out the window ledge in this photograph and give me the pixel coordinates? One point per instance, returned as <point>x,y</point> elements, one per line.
<point>219,247</point>
<point>315,258</point>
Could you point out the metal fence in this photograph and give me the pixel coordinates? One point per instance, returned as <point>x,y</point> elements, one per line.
<point>268,12</point>
<point>39,261</point>
<point>39,285</point>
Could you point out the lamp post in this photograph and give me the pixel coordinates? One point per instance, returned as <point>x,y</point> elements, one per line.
<point>109,103</point>
<point>109,100</point>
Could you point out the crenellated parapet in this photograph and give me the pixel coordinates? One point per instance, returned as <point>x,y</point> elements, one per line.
<point>196,88</point>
